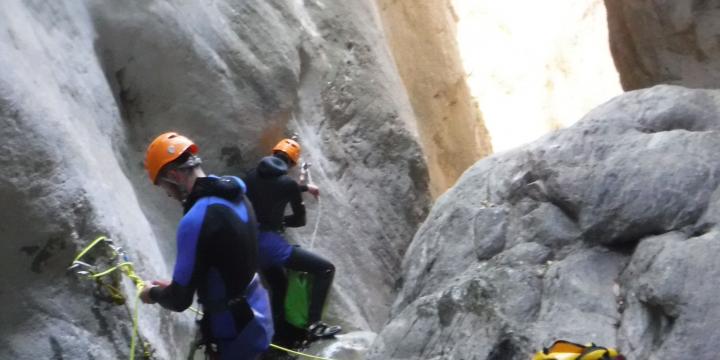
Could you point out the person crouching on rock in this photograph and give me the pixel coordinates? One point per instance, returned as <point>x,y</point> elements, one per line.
<point>216,252</point>
<point>271,189</point>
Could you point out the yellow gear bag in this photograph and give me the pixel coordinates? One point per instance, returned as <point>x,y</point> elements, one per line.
<point>566,350</point>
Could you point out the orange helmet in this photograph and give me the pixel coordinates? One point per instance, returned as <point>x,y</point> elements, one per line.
<point>164,150</point>
<point>290,148</point>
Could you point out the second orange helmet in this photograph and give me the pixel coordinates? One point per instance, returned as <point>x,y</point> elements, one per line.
<point>290,148</point>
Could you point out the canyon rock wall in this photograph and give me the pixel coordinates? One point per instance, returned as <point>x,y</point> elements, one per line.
<point>423,39</point>
<point>87,84</point>
<point>603,232</point>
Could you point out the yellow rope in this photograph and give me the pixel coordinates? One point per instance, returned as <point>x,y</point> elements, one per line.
<point>92,244</point>
<point>297,353</point>
<point>110,270</point>
<point>196,311</point>
<point>126,267</point>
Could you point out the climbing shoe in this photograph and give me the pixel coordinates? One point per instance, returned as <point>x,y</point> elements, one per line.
<point>321,330</point>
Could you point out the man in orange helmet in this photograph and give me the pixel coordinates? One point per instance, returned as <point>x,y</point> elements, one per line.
<point>271,189</point>
<point>216,252</point>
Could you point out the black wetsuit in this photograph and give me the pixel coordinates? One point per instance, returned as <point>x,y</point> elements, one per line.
<point>217,257</point>
<point>270,189</point>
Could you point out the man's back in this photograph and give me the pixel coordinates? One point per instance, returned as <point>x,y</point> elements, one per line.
<point>270,190</point>
<point>222,244</point>
<point>217,257</point>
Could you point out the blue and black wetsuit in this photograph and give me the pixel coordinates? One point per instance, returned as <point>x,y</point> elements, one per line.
<point>271,190</point>
<point>217,257</point>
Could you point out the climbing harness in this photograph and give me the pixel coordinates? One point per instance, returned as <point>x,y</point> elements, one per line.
<point>125,266</point>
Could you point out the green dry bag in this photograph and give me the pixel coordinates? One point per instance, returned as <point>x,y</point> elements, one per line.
<point>297,300</point>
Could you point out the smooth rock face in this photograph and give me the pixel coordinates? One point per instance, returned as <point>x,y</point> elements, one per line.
<point>256,69</point>
<point>87,85</point>
<point>603,232</point>
<point>665,42</point>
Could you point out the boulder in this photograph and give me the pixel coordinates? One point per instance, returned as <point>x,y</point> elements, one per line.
<point>602,232</point>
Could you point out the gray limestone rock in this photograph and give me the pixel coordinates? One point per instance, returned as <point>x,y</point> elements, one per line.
<point>603,232</point>
<point>87,84</point>
<point>665,42</point>
<point>670,300</point>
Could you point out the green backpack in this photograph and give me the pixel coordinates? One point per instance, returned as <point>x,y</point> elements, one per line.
<point>297,300</point>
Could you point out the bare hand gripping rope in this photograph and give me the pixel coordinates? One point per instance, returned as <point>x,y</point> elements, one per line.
<point>125,266</point>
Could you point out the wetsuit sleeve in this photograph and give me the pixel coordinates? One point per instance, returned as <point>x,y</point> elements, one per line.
<point>298,217</point>
<point>179,295</point>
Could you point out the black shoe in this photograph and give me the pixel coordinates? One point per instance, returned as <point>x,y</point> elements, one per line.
<point>321,330</point>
